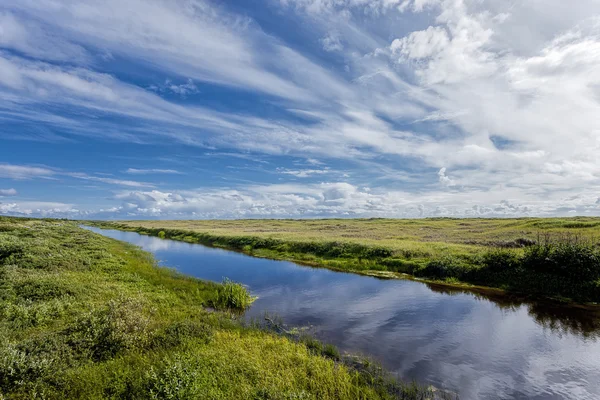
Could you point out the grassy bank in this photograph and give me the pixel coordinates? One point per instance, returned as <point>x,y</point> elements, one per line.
<point>553,258</point>
<point>87,317</point>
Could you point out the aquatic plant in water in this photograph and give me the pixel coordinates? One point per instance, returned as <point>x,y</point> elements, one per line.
<point>233,295</point>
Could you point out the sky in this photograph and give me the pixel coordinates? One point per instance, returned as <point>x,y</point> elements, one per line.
<point>127,109</point>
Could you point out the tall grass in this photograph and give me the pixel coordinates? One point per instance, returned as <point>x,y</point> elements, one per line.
<point>232,295</point>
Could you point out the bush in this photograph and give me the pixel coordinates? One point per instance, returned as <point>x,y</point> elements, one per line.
<point>501,261</point>
<point>161,234</point>
<point>41,290</point>
<point>26,314</point>
<point>10,248</point>
<point>105,333</point>
<point>32,359</point>
<point>569,260</point>
<point>174,380</point>
<point>442,268</point>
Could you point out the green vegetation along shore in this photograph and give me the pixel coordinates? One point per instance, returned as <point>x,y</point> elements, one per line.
<point>83,316</point>
<point>557,258</point>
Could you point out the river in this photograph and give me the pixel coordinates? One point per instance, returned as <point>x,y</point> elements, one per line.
<point>476,346</point>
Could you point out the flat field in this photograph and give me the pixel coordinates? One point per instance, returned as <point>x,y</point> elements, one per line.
<point>560,253</point>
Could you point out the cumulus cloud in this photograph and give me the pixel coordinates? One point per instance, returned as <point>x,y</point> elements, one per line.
<point>338,199</point>
<point>453,51</point>
<point>444,179</point>
<point>39,209</point>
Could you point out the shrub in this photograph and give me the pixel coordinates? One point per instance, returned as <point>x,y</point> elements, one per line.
<point>40,290</point>
<point>233,295</point>
<point>501,261</point>
<point>174,380</point>
<point>105,333</point>
<point>31,359</point>
<point>25,314</point>
<point>399,265</point>
<point>570,260</point>
<point>10,248</point>
<point>161,234</point>
<point>442,268</point>
<point>18,367</point>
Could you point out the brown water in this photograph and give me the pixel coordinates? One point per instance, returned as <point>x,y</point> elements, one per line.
<point>477,346</point>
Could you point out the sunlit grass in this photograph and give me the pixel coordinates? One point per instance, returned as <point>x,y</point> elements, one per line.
<point>475,251</point>
<point>233,295</point>
<point>83,316</point>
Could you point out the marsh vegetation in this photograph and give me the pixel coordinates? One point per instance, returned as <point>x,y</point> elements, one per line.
<point>554,258</point>
<point>83,316</point>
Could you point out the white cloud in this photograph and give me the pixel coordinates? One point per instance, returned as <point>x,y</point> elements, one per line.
<point>421,44</point>
<point>444,179</point>
<point>31,39</point>
<point>343,200</point>
<point>39,209</point>
<point>8,192</point>
<point>135,171</point>
<point>21,172</point>
<point>11,171</point>
<point>373,7</point>
<point>313,161</point>
<point>183,89</point>
<point>303,173</point>
<point>454,51</point>
<point>110,181</point>
<point>177,36</point>
<point>332,42</point>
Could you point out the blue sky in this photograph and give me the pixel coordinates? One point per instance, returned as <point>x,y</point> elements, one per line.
<point>299,108</point>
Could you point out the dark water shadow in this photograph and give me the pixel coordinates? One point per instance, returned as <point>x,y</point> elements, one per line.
<point>560,318</point>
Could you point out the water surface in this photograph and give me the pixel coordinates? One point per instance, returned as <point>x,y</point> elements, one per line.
<point>479,347</point>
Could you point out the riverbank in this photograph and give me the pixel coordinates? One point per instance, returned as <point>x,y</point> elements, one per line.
<point>552,258</point>
<point>84,316</point>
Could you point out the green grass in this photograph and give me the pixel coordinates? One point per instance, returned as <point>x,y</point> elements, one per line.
<point>232,295</point>
<point>83,316</point>
<point>510,254</point>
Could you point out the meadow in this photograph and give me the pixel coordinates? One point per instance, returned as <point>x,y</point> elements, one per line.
<point>556,258</point>
<point>83,316</point>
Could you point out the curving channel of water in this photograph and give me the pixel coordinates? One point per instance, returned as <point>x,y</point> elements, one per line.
<point>479,347</point>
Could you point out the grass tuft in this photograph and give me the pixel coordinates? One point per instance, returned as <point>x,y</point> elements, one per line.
<point>233,296</point>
